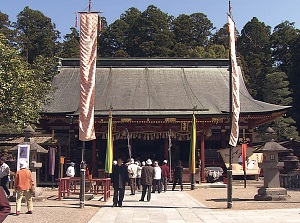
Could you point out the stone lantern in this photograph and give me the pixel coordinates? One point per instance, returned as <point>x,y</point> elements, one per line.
<point>271,165</point>
<point>35,149</point>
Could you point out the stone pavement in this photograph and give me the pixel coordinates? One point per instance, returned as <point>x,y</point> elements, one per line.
<point>179,207</point>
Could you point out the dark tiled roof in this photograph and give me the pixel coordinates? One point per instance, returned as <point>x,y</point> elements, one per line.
<point>155,90</point>
<point>33,147</point>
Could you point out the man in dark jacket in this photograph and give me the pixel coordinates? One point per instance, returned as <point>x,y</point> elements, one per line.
<point>119,179</point>
<point>147,178</point>
<point>178,175</point>
<point>4,205</point>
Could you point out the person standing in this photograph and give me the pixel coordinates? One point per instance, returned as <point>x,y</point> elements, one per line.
<point>132,172</point>
<point>157,178</point>
<point>71,170</point>
<point>139,175</point>
<point>147,178</point>
<point>4,205</point>
<point>119,179</point>
<point>178,175</point>
<point>4,175</point>
<point>165,173</point>
<point>23,187</point>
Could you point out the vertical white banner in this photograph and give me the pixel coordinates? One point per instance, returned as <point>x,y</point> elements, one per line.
<point>88,59</point>
<point>234,135</point>
<point>23,154</point>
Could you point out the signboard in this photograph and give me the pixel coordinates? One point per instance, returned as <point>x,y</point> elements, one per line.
<point>252,160</point>
<point>23,154</point>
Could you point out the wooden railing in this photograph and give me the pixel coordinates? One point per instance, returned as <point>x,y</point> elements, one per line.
<point>289,180</point>
<point>70,185</point>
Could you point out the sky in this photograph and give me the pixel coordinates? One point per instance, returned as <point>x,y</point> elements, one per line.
<point>62,12</point>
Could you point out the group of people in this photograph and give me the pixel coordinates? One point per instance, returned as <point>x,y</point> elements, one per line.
<point>23,185</point>
<point>147,174</point>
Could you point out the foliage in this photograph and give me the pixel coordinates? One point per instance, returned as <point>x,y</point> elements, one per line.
<point>276,90</point>
<point>36,35</point>
<point>270,60</point>
<point>70,45</point>
<point>5,26</point>
<point>254,44</point>
<point>283,38</point>
<point>149,35</point>
<point>23,89</point>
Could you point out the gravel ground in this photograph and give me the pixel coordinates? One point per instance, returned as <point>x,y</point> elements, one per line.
<point>243,198</point>
<point>68,210</point>
<point>53,210</point>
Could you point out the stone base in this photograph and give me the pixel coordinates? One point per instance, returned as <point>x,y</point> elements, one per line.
<point>271,194</point>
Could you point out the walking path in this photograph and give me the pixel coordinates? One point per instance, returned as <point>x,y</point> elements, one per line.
<point>178,207</point>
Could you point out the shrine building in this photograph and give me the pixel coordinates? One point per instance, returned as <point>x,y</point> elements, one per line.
<point>152,101</point>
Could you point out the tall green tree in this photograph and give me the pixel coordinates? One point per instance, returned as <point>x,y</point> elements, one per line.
<point>192,30</point>
<point>283,38</point>
<point>150,35</point>
<point>5,26</point>
<point>113,38</point>
<point>221,37</point>
<point>276,91</point>
<point>37,35</point>
<point>70,48</point>
<point>23,89</point>
<point>295,80</point>
<point>254,45</point>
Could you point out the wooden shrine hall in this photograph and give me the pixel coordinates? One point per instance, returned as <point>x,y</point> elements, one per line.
<point>152,102</point>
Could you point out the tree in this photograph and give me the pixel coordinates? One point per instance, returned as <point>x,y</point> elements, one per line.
<point>221,37</point>
<point>295,79</point>
<point>112,39</point>
<point>283,39</point>
<point>276,90</point>
<point>70,45</point>
<point>36,35</point>
<point>5,26</point>
<point>192,30</point>
<point>150,35</point>
<point>212,51</point>
<point>255,46</point>
<point>23,89</point>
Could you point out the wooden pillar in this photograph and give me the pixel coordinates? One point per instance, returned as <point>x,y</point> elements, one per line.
<point>250,137</point>
<point>202,156</point>
<point>223,139</point>
<point>94,158</point>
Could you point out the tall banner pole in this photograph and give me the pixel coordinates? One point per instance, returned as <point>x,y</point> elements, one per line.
<point>169,150</point>
<point>89,22</point>
<point>234,101</point>
<point>244,157</point>
<point>82,177</point>
<point>229,170</point>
